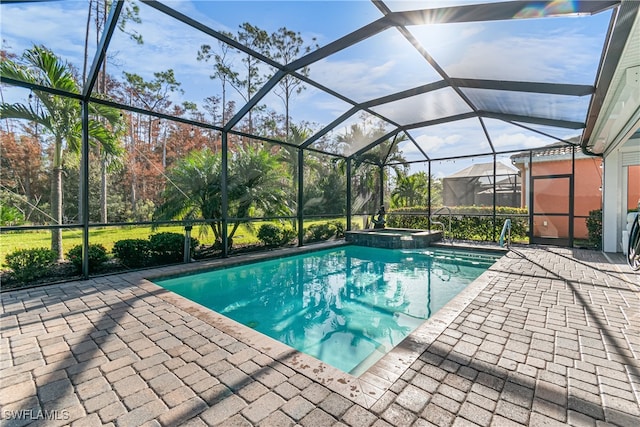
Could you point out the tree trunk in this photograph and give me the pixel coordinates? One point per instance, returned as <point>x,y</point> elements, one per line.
<point>56,211</point>
<point>27,192</point>
<point>103,191</point>
<point>134,199</point>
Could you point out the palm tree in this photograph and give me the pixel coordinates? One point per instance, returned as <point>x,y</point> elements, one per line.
<point>255,184</point>
<point>410,190</point>
<point>369,165</point>
<point>194,190</point>
<point>59,116</point>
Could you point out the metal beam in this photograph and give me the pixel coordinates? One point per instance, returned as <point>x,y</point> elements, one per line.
<point>513,86</point>
<point>224,196</point>
<point>535,120</point>
<point>374,143</point>
<point>440,121</point>
<point>415,143</point>
<point>300,197</point>
<point>213,33</point>
<point>502,11</point>
<point>264,90</point>
<point>349,211</point>
<point>405,94</point>
<point>342,43</point>
<point>322,132</point>
<point>486,134</point>
<point>427,56</point>
<point>83,203</point>
<point>543,133</point>
<point>110,26</point>
<point>47,89</point>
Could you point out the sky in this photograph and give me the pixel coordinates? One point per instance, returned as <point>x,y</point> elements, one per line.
<point>553,50</point>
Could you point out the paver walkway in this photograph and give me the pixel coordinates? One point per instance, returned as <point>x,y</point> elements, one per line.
<point>553,339</point>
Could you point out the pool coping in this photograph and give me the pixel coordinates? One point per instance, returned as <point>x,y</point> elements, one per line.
<point>365,389</point>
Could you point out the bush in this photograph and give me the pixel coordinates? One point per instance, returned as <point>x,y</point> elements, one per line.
<point>29,264</point>
<point>275,235</point>
<point>339,226</point>
<point>168,248</point>
<point>133,253</point>
<point>9,215</point>
<point>270,234</point>
<point>97,256</point>
<point>467,222</point>
<point>317,232</point>
<point>288,234</point>
<point>594,226</point>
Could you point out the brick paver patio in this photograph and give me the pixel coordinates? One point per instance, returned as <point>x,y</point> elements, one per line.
<point>552,338</point>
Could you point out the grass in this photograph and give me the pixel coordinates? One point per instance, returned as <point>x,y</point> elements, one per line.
<point>107,236</point>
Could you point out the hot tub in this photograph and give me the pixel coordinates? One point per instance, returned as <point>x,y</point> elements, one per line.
<point>393,238</point>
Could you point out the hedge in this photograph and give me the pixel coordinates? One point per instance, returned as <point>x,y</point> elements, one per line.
<point>467,222</point>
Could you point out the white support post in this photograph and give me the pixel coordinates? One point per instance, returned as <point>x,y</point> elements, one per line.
<point>612,203</point>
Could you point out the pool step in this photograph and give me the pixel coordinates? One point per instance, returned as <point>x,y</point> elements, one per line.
<point>463,258</point>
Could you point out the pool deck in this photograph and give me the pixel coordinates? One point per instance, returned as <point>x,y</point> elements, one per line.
<point>546,337</point>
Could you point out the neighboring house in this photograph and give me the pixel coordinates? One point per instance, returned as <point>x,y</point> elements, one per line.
<point>551,175</point>
<point>473,186</point>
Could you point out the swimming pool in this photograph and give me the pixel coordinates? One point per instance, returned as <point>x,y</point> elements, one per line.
<point>347,306</point>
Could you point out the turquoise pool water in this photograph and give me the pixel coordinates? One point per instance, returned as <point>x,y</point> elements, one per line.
<point>347,306</point>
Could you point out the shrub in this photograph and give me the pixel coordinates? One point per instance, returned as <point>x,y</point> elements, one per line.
<point>275,235</point>
<point>97,256</point>
<point>317,232</point>
<point>168,248</point>
<point>467,222</point>
<point>133,253</point>
<point>339,226</point>
<point>288,234</point>
<point>29,264</point>
<point>270,234</point>
<point>594,226</point>
<point>9,215</point>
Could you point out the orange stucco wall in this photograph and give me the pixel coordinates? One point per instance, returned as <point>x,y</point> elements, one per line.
<point>553,196</point>
<point>633,187</point>
<point>587,196</point>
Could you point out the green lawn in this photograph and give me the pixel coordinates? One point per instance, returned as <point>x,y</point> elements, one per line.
<point>107,236</point>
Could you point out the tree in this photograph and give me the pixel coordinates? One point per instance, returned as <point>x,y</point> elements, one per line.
<point>258,40</point>
<point>255,185</point>
<point>410,190</point>
<point>436,191</point>
<point>99,10</point>
<point>285,46</point>
<point>23,174</point>
<point>222,70</point>
<point>59,116</point>
<point>368,166</point>
<point>144,130</point>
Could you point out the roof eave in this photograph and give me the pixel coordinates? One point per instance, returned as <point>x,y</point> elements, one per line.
<point>614,113</point>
